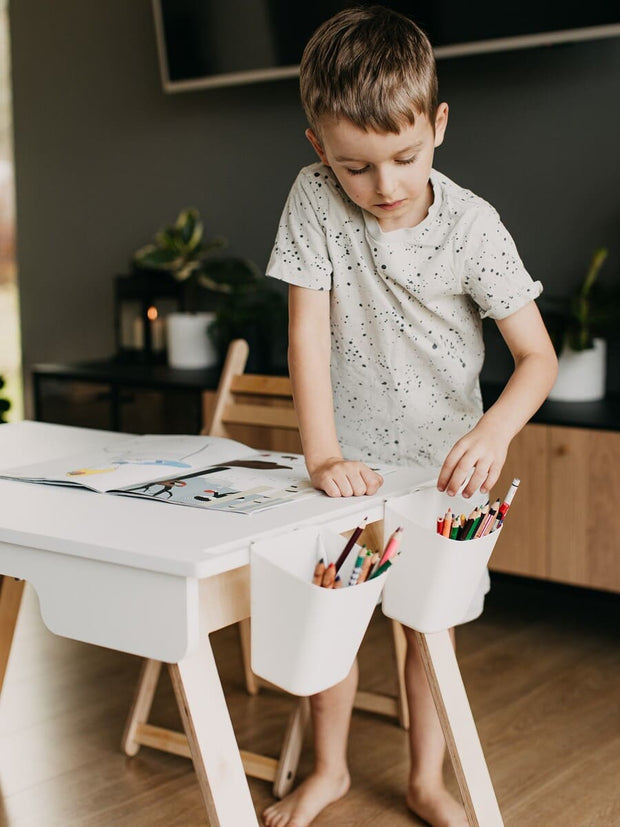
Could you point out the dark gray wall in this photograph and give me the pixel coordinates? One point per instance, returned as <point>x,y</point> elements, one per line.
<point>103,158</point>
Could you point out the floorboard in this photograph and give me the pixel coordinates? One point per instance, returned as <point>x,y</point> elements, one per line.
<point>542,671</point>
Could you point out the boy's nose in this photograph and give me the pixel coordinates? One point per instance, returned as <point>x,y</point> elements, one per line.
<point>386,184</point>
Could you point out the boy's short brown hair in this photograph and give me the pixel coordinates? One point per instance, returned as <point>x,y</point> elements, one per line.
<point>370,65</point>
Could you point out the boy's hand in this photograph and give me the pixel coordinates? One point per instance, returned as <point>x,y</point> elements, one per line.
<point>484,450</point>
<point>344,478</point>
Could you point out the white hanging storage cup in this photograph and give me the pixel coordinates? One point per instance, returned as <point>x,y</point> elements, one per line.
<point>434,580</point>
<point>304,637</point>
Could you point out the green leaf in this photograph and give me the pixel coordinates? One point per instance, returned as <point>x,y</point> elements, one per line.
<point>234,272</point>
<point>186,271</point>
<point>596,262</point>
<point>157,258</point>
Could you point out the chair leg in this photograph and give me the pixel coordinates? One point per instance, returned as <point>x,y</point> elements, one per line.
<point>141,707</point>
<point>400,654</point>
<point>291,748</point>
<point>11,592</point>
<point>251,681</point>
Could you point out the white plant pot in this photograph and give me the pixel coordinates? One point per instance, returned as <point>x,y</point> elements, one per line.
<point>581,374</point>
<point>189,345</point>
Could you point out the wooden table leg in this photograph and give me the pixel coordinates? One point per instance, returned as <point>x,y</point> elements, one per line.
<point>291,748</point>
<point>11,591</point>
<point>459,729</point>
<point>211,739</point>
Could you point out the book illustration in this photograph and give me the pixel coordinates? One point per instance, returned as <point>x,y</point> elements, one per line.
<point>241,486</point>
<point>161,452</point>
<point>137,460</point>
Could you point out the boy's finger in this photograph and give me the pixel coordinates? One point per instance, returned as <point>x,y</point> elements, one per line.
<point>477,478</point>
<point>358,484</point>
<point>373,480</point>
<point>447,469</point>
<point>328,485</point>
<point>492,477</point>
<point>459,475</point>
<point>344,484</point>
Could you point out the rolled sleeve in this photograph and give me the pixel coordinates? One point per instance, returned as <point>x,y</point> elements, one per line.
<point>493,273</point>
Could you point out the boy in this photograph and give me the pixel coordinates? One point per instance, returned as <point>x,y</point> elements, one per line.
<point>391,267</point>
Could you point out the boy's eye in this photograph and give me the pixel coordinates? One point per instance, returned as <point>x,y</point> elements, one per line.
<point>407,160</point>
<point>356,171</point>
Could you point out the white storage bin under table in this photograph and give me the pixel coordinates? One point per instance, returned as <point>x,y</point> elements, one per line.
<point>434,580</point>
<point>304,637</point>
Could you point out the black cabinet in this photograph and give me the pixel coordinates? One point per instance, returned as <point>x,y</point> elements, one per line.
<point>120,397</point>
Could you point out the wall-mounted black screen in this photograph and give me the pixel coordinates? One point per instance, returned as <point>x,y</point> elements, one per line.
<point>214,42</point>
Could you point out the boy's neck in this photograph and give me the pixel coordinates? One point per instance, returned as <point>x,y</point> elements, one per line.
<point>413,217</point>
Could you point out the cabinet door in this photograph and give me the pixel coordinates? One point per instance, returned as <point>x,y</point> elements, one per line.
<point>522,547</point>
<point>585,492</point>
<point>67,402</point>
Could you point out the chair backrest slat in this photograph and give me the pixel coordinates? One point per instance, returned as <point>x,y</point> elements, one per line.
<point>253,401</point>
<point>264,416</point>
<point>250,383</point>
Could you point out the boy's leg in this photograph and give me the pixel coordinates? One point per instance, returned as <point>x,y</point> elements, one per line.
<point>329,781</point>
<point>427,795</point>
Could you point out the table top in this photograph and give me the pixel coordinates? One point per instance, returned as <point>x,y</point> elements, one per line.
<point>155,536</point>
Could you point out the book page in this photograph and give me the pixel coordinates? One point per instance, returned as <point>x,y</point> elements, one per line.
<point>246,485</point>
<point>135,461</point>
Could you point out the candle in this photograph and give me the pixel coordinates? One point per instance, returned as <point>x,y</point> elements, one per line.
<point>138,333</point>
<point>158,330</point>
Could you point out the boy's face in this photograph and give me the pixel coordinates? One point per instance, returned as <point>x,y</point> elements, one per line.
<point>384,173</point>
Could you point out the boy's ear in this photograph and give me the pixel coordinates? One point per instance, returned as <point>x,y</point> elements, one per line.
<point>316,144</point>
<point>441,122</point>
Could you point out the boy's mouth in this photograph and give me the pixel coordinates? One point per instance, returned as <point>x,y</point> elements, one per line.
<point>391,205</point>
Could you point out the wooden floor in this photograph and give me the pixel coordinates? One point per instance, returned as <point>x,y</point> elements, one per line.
<point>541,667</point>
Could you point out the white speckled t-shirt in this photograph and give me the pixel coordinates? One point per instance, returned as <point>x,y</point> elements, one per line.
<point>406,310</point>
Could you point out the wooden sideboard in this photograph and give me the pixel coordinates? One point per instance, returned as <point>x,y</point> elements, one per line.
<point>561,526</point>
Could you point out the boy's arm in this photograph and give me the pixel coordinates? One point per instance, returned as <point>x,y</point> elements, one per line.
<point>309,367</point>
<point>485,447</point>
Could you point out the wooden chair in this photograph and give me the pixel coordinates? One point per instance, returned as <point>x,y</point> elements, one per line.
<point>243,404</point>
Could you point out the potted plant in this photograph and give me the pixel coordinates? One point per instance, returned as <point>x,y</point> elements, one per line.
<point>224,297</point>
<point>4,403</point>
<point>251,309</point>
<point>577,325</point>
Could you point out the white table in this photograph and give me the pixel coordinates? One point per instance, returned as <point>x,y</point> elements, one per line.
<point>154,580</point>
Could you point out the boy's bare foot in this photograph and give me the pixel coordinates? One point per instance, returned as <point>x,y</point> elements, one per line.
<point>436,807</point>
<point>302,806</point>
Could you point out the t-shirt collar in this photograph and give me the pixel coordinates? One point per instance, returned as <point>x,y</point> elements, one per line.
<point>405,234</point>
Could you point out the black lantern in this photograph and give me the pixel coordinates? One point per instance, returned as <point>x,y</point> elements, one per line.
<point>142,300</point>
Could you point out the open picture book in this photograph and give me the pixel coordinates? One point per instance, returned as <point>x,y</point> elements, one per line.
<point>199,471</point>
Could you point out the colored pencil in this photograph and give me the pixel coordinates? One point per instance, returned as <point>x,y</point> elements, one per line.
<point>391,546</point>
<point>490,519</point>
<point>483,514</point>
<point>350,543</point>
<point>329,576</point>
<point>469,522</point>
<point>366,566</point>
<point>374,564</point>
<point>319,570</point>
<point>475,522</point>
<point>447,523</point>
<point>357,567</point>
<point>383,567</point>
